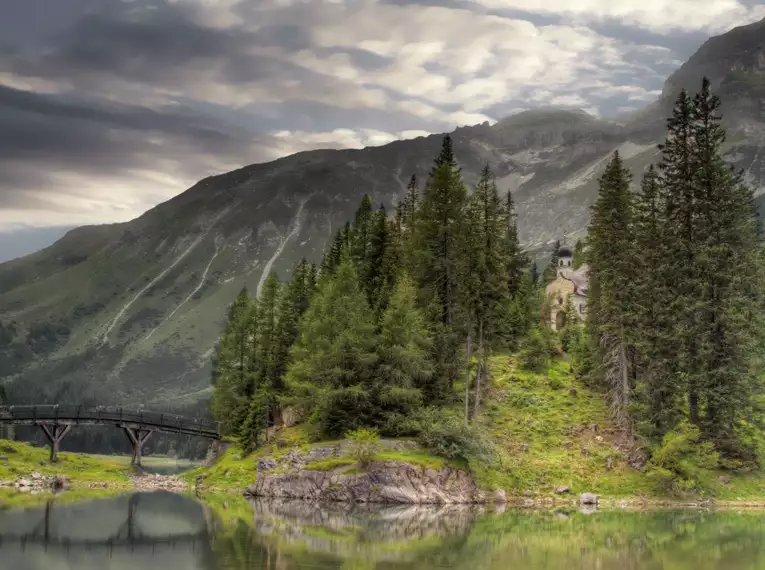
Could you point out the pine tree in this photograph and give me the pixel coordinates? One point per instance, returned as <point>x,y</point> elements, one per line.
<point>551,271</point>
<point>439,229</point>
<point>234,385</point>
<point>334,357</point>
<point>361,235</point>
<point>489,261</point>
<point>655,335</point>
<point>263,362</point>
<point>517,259</point>
<point>404,356</point>
<point>438,234</point>
<point>534,273</point>
<point>292,304</point>
<point>677,168</point>
<point>411,203</point>
<point>611,304</point>
<point>726,255</point>
<point>579,254</point>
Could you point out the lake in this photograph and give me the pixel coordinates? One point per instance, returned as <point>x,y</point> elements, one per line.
<point>172,532</point>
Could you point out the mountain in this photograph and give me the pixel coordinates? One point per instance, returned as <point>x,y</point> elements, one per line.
<point>129,313</point>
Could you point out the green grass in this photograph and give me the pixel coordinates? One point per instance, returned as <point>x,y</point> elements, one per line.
<point>543,425</point>
<point>24,459</point>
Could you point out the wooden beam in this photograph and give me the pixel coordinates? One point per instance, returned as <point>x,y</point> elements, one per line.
<point>137,438</point>
<point>55,433</point>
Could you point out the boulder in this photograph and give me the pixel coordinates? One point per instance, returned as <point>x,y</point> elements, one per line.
<point>58,483</point>
<point>588,499</point>
<point>24,483</point>
<point>561,490</point>
<point>724,479</point>
<point>499,496</point>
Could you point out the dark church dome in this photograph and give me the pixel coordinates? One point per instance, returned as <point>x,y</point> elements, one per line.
<point>565,251</point>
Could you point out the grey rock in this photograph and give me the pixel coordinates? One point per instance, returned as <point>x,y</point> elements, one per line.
<point>499,496</point>
<point>588,499</point>
<point>561,490</point>
<point>266,465</point>
<point>724,479</point>
<point>382,482</point>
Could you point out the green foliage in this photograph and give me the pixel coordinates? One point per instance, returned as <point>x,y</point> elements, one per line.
<point>535,354</point>
<point>682,462</point>
<point>445,434</point>
<point>364,444</point>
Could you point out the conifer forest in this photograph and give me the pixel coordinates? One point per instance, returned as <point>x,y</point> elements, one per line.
<point>394,329</point>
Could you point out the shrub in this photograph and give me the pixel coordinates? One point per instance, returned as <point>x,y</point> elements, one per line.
<point>364,445</point>
<point>682,461</point>
<point>444,433</point>
<point>535,355</point>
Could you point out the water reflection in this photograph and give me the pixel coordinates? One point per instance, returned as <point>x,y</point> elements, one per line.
<point>170,532</point>
<point>139,530</point>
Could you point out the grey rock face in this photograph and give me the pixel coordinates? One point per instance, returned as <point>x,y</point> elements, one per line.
<point>382,482</point>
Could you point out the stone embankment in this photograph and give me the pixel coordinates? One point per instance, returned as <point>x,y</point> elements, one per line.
<point>387,481</point>
<point>147,482</point>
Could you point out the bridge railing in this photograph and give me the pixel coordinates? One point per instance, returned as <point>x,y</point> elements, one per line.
<point>108,414</point>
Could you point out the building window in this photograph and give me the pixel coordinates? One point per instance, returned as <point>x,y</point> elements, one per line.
<point>580,308</point>
<point>560,300</point>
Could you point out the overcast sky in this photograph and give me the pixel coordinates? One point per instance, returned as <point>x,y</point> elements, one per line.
<point>108,107</point>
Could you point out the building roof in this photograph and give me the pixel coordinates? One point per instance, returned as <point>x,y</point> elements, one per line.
<point>578,277</point>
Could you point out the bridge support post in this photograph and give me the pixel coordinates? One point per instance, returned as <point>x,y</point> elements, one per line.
<point>137,437</point>
<point>55,433</point>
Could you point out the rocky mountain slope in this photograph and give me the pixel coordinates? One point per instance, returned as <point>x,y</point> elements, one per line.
<point>129,313</point>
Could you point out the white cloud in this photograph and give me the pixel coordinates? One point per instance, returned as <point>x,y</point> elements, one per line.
<point>657,15</point>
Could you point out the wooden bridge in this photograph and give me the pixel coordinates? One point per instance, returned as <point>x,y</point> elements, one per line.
<point>56,421</point>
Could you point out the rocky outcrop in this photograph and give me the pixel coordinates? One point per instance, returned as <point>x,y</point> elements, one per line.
<point>381,482</point>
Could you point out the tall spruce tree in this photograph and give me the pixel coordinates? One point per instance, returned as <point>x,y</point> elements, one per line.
<point>265,341</point>
<point>404,357</point>
<point>551,271</point>
<point>438,234</point>
<point>726,255</point>
<point>517,260</point>
<point>677,167</point>
<point>660,392</point>
<point>612,305</point>
<point>493,296</point>
<point>234,383</point>
<point>334,358</point>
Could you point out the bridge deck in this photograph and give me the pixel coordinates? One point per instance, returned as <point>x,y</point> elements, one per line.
<point>137,419</point>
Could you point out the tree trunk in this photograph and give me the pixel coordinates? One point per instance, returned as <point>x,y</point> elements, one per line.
<point>480,371</point>
<point>468,353</point>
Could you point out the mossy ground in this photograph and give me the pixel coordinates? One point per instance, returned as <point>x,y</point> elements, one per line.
<point>24,459</point>
<point>552,431</point>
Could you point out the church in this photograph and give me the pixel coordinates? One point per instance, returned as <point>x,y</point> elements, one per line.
<point>569,282</point>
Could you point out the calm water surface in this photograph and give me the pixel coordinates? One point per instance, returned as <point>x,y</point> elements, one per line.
<point>170,532</point>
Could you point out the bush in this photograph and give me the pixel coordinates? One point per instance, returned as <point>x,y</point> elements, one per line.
<point>535,355</point>
<point>682,461</point>
<point>444,433</point>
<point>364,445</point>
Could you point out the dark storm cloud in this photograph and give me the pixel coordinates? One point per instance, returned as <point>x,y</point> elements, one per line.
<point>45,134</point>
<point>142,45</point>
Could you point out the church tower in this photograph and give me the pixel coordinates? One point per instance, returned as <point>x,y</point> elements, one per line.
<point>565,257</point>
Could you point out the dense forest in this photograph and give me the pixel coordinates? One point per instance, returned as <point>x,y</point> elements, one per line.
<point>395,327</point>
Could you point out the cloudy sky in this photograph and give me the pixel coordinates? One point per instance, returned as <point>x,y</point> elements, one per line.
<point>108,107</point>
